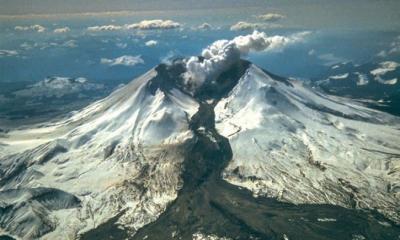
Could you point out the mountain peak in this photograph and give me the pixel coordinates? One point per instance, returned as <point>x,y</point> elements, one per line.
<point>129,155</point>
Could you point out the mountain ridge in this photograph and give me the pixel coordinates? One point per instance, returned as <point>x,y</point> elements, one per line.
<point>126,156</point>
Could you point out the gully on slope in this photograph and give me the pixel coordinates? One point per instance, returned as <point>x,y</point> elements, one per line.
<point>209,205</point>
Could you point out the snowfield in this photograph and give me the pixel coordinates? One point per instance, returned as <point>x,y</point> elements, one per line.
<point>301,146</point>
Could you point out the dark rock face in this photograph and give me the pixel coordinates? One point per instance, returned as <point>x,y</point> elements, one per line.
<point>223,83</point>
<point>168,77</point>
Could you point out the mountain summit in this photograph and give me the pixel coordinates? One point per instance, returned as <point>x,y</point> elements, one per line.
<point>166,158</point>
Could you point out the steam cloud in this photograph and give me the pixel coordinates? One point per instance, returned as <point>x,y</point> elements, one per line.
<point>223,53</point>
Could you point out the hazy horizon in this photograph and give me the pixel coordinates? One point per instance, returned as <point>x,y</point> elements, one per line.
<point>307,14</point>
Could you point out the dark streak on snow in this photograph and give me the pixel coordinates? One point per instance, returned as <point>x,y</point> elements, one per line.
<point>208,204</point>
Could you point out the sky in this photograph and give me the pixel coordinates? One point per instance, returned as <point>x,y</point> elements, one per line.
<point>339,14</point>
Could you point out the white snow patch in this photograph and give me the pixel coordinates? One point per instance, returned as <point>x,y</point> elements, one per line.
<point>362,79</point>
<point>200,236</point>
<point>386,67</point>
<point>326,219</point>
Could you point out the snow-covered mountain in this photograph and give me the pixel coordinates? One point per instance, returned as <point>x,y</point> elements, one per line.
<point>302,146</point>
<point>119,155</point>
<point>163,141</point>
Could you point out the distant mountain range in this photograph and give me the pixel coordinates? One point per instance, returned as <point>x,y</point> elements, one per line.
<point>377,84</point>
<point>54,96</point>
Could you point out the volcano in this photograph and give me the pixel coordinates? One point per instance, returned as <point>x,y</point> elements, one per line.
<point>246,155</point>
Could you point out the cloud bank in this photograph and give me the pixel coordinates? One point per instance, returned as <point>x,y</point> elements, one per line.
<point>45,45</point>
<point>143,25</point>
<point>271,17</point>
<point>104,28</point>
<point>220,55</point>
<point>37,28</point>
<point>154,24</point>
<point>125,60</point>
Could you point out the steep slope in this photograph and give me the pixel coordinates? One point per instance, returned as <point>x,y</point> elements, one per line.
<point>209,208</point>
<point>301,146</point>
<point>119,156</point>
<point>161,159</point>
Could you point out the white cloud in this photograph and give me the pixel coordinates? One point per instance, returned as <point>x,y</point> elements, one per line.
<point>26,46</point>
<point>69,43</point>
<point>204,26</point>
<point>241,26</point>
<point>151,43</point>
<point>271,17</point>
<point>123,61</point>
<point>45,45</point>
<point>8,53</point>
<point>154,24</point>
<point>169,57</point>
<point>143,25</point>
<point>104,28</point>
<point>122,45</point>
<point>382,53</point>
<point>37,28</point>
<point>395,46</point>
<point>223,53</point>
<point>62,30</point>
